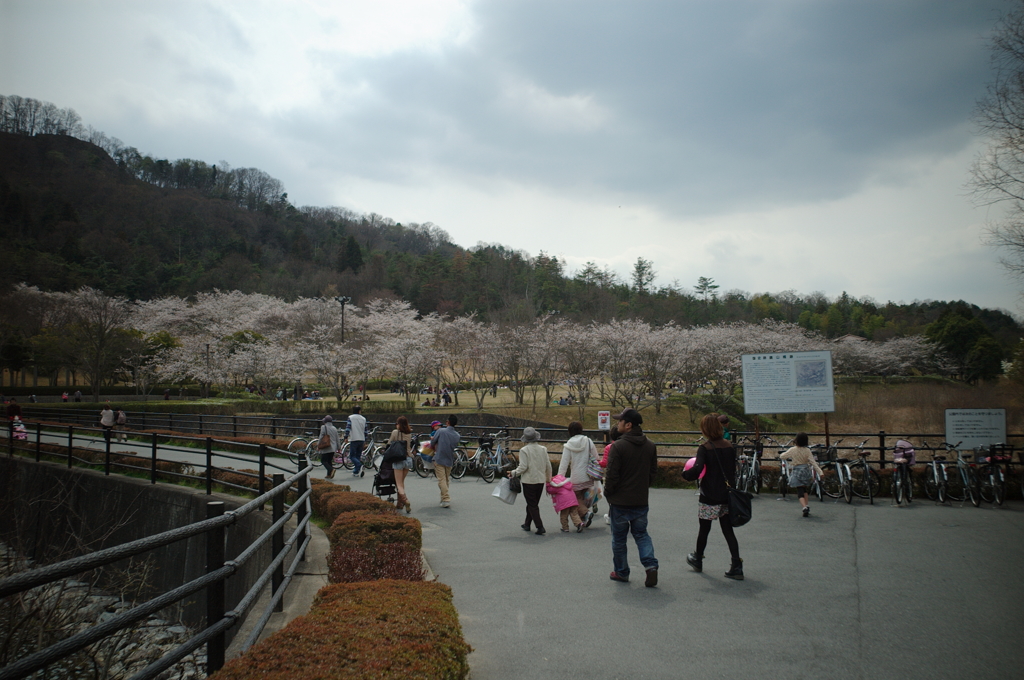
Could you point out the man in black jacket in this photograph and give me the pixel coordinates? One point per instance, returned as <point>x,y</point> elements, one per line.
<point>632,465</point>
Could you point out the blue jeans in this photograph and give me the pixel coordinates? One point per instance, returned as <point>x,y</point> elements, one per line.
<point>355,452</point>
<point>626,520</point>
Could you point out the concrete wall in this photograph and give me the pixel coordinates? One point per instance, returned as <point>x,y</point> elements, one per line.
<point>52,511</point>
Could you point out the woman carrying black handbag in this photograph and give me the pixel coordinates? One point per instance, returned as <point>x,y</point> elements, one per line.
<point>401,438</point>
<point>718,457</point>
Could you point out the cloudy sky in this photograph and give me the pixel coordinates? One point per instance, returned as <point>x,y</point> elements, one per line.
<point>812,145</point>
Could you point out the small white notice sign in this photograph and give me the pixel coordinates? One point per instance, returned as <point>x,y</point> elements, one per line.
<point>788,382</point>
<point>604,420</point>
<point>975,426</point>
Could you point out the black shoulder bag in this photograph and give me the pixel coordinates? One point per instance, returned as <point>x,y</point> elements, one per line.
<point>396,451</point>
<point>740,508</point>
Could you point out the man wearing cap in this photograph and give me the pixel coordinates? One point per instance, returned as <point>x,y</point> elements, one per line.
<point>632,465</point>
<point>445,442</point>
<point>327,453</point>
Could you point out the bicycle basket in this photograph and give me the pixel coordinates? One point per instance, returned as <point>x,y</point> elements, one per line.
<point>997,453</point>
<point>824,454</point>
<point>904,452</point>
<point>486,441</point>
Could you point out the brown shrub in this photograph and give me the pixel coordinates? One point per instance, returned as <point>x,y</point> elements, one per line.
<point>335,504</point>
<point>384,629</point>
<point>396,561</point>
<point>370,529</point>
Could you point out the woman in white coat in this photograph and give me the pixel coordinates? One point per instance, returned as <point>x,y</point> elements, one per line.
<point>576,456</point>
<point>535,470</point>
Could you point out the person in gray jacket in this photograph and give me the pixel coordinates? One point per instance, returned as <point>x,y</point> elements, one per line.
<point>444,458</point>
<point>632,466</point>
<point>535,470</point>
<point>327,454</point>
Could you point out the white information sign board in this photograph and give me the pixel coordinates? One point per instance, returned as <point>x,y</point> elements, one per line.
<point>604,420</point>
<point>975,426</point>
<point>788,382</point>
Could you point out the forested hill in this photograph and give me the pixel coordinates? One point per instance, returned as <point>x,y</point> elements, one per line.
<point>72,215</point>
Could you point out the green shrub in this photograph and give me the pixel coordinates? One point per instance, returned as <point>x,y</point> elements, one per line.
<point>383,629</point>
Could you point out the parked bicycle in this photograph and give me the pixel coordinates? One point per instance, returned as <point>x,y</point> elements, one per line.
<point>304,447</point>
<point>463,461</point>
<point>748,468</point>
<point>494,460</point>
<point>991,478</point>
<point>783,483</point>
<point>962,483</point>
<point>836,479</point>
<point>903,460</point>
<point>864,480</point>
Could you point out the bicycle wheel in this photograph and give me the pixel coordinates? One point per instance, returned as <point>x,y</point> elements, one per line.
<point>338,460</point>
<point>377,458</point>
<point>847,486</point>
<point>461,463</point>
<point>985,484</point>
<point>419,466</point>
<point>312,455</point>
<point>755,477</point>
<point>830,481</point>
<point>908,488</point>
<point>783,484</point>
<point>859,480</point>
<point>874,483</point>
<point>488,468</point>
<point>931,484</point>
<point>818,491</point>
<point>972,486</point>
<point>999,485</point>
<point>956,485</point>
<point>508,462</point>
<point>296,448</point>
<point>897,484</point>
<point>346,459</point>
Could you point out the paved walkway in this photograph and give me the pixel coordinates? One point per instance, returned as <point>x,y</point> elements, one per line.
<point>854,591</point>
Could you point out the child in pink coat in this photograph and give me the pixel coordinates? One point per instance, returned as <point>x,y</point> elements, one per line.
<point>565,502</point>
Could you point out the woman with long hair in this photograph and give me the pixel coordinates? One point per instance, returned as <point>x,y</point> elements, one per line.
<point>402,433</point>
<point>718,458</point>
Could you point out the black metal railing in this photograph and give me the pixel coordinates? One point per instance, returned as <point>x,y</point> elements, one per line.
<point>672,444</point>
<point>218,621</point>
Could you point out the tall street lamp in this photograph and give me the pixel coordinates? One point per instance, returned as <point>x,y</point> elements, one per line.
<point>343,300</point>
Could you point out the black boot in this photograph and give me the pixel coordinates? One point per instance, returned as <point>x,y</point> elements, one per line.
<point>696,561</point>
<point>737,570</point>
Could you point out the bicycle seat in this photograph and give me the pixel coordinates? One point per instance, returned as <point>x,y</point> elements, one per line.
<point>966,456</point>
<point>938,458</point>
<point>842,460</point>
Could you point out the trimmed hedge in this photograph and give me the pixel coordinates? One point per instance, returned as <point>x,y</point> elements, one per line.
<point>370,545</point>
<point>383,629</point>
<point>370,529</point>
<point>330,500</point>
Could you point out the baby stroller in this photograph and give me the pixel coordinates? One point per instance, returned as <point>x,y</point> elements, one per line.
<point>384,482</point>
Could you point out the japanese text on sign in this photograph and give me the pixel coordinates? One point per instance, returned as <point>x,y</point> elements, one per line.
<point>788,382</point>
<point>975,426</point>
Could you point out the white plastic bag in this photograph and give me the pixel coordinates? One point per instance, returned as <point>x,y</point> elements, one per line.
<point>503,493</point>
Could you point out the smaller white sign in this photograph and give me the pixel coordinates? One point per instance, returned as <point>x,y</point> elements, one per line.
<point>604,420</point>
<point>975,426</point>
